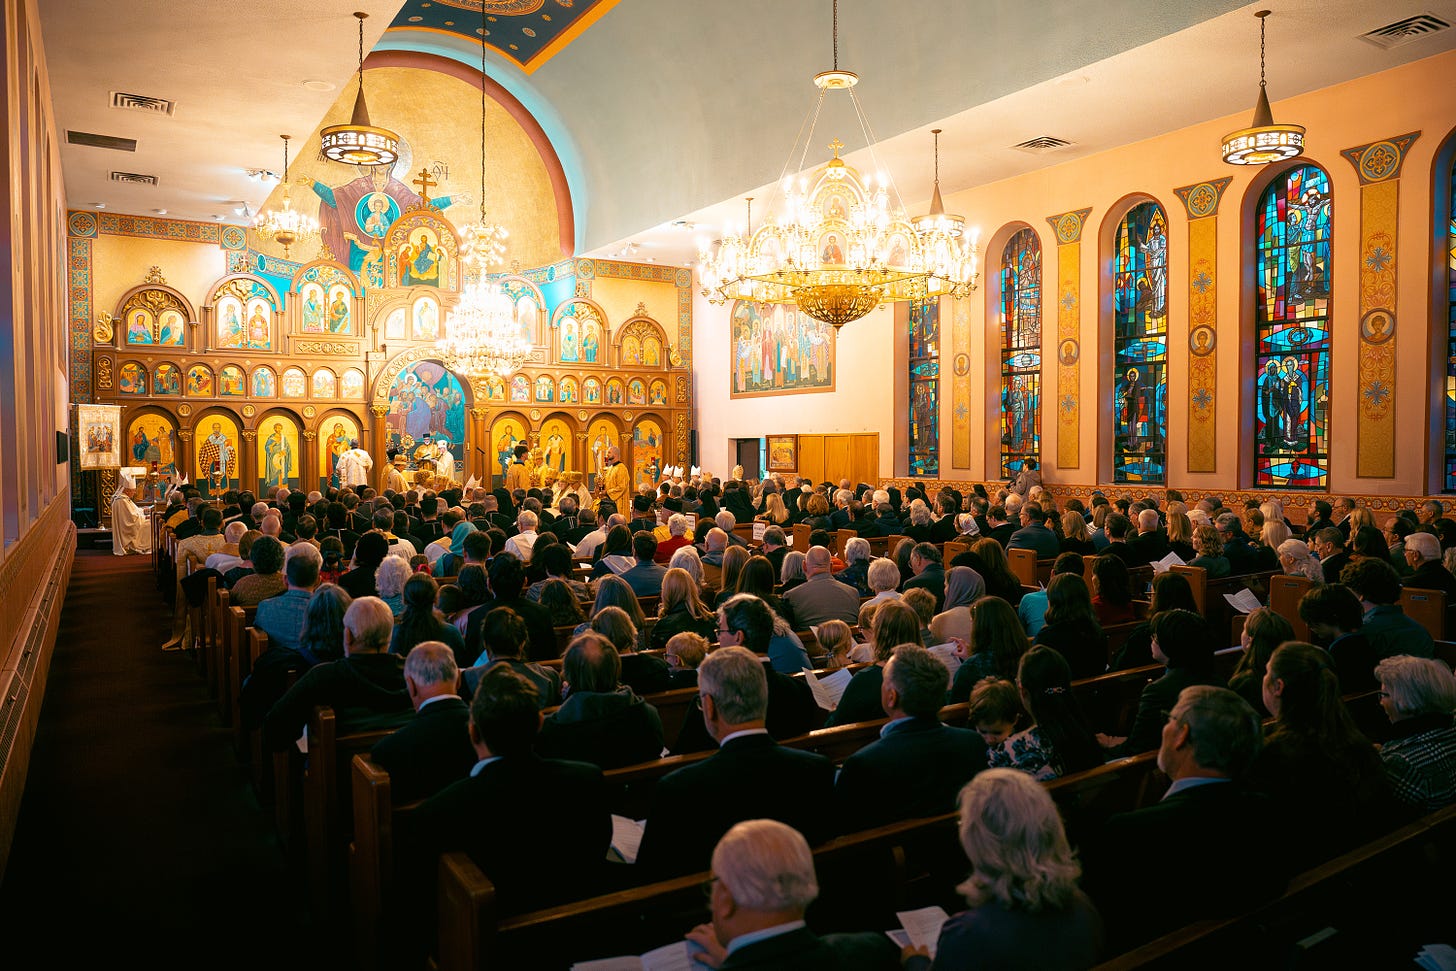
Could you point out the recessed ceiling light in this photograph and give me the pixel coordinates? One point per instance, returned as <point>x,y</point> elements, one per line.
<point>216,216</point>
<point>160,212</point>
<point>99,205</point>
<point>314,84</point>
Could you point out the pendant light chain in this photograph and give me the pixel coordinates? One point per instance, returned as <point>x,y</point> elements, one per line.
<point>1262,82</point>
<point>482,114</point>
<point>836,35</point>
<point>361,53</point>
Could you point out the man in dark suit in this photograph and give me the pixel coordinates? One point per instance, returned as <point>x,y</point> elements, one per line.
<point>1423,555</point>
<point>1334,616</point>
<point>645,578</point>
<point>482,814</point>
<point>1242,555</point>
<point>999,527</point>
<point>918,765</point>
<point>775,547</point>
<point>1151,544</point>
<point>1180,860</point>
<point>1033,534</point>
<point>434,749</point>
<point>1117,526</point>
<point>1329,545</point>
<point>601,720</point>
<point>929,572</point>
<point>642,518</point>
<point>750,777</point>
<point>508,582</point>
<point>943,530</point>
<point>1342,508</point>
<point>1319,519</point>
<point>763,882</point>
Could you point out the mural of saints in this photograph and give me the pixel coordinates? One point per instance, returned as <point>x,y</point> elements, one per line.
<point>334,444</point>
<point>217,456</point>
<point>421,260</point>
<point>646,454</point>
<point>426,399</point>
<point>776,349</point>
<point>555,439</point>
<point>277,454</point>
<point>313,308</point>
<point>354,217</point>
<point>153,439</point>
<point>505,434</point>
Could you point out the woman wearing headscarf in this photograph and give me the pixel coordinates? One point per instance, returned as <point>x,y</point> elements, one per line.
<point>739,504</point>
<point>449,564</point>
<point>963,587</point>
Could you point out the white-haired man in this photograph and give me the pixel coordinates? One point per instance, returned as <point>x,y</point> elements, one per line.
<point>763,882</point>
<point>434,749</point>
<point>1423,555</point>
<point>524,541</point>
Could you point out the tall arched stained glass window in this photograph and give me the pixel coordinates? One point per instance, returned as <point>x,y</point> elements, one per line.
<point>925,387</point>
<point>1292,331</point>
<point>1020,352</point>
<point>1450,481</point>
<point>1140,346</point>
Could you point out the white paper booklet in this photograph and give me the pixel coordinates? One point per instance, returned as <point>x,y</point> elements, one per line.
<point>758,529</point>
<point>626,839</point>
<point>672,957</point>
<point>919,928</point>
<point>1244,601</point>
<point>946,654</point>
<point>828,688</point>
<point>1171,560</point>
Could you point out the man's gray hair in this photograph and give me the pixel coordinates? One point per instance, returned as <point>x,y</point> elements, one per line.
<point>234,532</point>
<point>432,663</point>
<point>1426,544</point>
<point>526,521</point>
<point>733,677</point>
<point>677,524</point>
<point>370,623</point>
<point>304,549</point>
<point>716,540</point>
<point>259,510</point>
<point>1228,522</point>
<point>766,865</point>
<point>725,521</point>
<point>774,535</point>
<point>856,549</point>
<point>1224,729</point>
<point>1148,520</point>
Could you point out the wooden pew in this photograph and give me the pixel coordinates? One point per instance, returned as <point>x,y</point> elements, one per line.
<point>235,661</point>
<point>1327,916</point>
<point>841,537</point>
<point>1024,565</point>
<point>800,537</point>
<point>1209,594</point>
<point>370,853</point>
<point>953,549</point>
<point>1427,608</point>
<point>217,666</point>
<point>880,545</point>
<point>328,801</point>
<point>473,933</point>
<point>1285,592</point>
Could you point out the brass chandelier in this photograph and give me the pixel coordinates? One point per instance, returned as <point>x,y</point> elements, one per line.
<point>482,335</point>
<point>1264,141</point>
<point>835,248</point>
<point>286,226</point>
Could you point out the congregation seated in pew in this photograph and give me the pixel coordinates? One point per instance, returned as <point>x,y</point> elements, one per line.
<point>602,720</point>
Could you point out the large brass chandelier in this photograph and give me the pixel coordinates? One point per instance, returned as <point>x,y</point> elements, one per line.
<point>286,226</point>
<point>835,248</point>
<point>482,336</point>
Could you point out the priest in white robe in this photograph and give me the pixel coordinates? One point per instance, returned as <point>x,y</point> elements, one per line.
<point>354,466</point>
<point>131,529</point>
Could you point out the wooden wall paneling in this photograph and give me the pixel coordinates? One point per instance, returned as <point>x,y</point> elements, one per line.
<point>838,452</point>
<point>866,463</point>
<point>811,457</point>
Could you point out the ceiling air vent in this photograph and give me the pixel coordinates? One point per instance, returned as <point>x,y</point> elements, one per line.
<point>101,141</point>
<point>1045,143</point>
<point>132,178</point>
<point>1405,31</point>
<point>140,102</point>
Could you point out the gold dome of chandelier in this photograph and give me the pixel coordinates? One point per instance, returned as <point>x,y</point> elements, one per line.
<point>835,248</point>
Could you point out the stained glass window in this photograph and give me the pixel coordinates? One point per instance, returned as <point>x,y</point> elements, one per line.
<point>1020,352</point>
<point>1292,331</point>
<point>1140,346</point>
<point>1450,481</point>
<point>925,387</point>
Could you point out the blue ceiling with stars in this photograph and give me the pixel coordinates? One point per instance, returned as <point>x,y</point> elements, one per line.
<point>528,32</point>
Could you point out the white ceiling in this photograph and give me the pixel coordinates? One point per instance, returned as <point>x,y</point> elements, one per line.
<point>236,73</point>
<point>1188,77</point>
<point>669,109</point>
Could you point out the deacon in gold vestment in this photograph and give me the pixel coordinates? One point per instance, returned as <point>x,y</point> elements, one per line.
<point>518,476</point>
<point>394,476</point>
<point>617,483</point>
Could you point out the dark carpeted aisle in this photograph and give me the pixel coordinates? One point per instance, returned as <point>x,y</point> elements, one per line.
<point>138,834</point>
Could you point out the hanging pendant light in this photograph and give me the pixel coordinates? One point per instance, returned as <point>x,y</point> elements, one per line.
<point>482,336</point>
<point>359,142</point>
<point>1264,141</point>
<point>285,226</point>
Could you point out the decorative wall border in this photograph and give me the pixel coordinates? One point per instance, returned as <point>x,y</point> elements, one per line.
<point>680,277</point>
<point>1068,226</point>
<point>1201,200</point>
<point>1378,165</point>
<point>960,382</point>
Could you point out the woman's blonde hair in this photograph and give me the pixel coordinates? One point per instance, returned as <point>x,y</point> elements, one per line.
<point>1014,839</point>
<point>1074,527</point>
<point>679,589</point>
<point>834,637</point>
<point>774,508</point>
<point>1360,516</point>
<point>1180,527</point>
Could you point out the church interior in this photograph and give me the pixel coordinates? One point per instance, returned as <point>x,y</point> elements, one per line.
<point>929,247</point>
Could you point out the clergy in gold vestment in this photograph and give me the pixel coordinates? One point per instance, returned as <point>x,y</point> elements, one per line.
<point>617,483</point>
<point>131,532</point>
<point>517,475</point>
<point>394,477</point>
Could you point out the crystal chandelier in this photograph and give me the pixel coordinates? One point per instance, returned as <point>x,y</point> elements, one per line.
<point>482,336</point>
<point>359,142</point>
<point>286,226</point>
<point>835,248</point>
<point>1264,141</point>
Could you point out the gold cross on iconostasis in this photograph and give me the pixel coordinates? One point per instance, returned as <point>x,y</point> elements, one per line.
<point>426,184</point>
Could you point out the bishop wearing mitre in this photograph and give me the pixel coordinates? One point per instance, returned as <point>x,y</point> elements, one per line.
<point>131,530</point>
